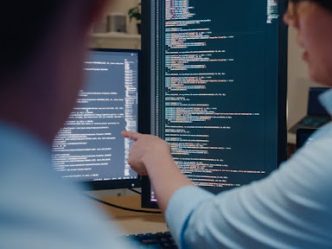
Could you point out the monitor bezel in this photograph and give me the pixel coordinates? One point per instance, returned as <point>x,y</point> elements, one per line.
<point>122,183</point>
<point>282,88</point>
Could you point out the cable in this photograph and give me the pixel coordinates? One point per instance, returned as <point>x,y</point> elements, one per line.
<point>135,191</point>
<point>124,208</point>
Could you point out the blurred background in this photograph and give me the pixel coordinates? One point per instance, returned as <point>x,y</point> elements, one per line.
<point>120,28</point>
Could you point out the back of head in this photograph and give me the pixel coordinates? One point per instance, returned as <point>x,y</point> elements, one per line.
<point>327,4</point>
<point>23,25</point>
<point>43,44</point>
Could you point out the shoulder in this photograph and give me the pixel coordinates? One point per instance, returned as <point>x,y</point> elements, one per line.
<point>40,210</point>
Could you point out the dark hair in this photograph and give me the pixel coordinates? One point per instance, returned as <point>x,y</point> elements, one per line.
<point>23,26</point>
<point>327,4</point>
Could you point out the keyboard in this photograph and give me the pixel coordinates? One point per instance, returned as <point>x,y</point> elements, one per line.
<point>154,240</point>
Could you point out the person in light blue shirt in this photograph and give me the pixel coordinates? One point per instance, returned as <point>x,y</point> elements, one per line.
<point>292,208</point>
<point>37,209</point>
<point>43,45</point>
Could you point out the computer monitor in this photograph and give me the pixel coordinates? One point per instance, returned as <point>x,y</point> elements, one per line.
<point>218,72</point>
<point>90,148</point>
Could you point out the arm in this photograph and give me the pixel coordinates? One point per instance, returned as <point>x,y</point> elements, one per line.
<point>289,209</point>
<point>151,156</point>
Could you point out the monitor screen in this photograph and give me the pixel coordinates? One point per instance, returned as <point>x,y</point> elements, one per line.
<point>218,78</point>
<point>315,108</point>
<point>90,147</point>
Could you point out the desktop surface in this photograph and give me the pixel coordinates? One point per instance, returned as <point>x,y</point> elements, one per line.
<point>131,222</point>
<point>147,230</point>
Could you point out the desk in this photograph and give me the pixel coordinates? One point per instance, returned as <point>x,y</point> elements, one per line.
<point>131,222</point>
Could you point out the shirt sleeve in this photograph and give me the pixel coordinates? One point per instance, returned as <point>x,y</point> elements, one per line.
<point>180,207</point>
<point>289,209</point>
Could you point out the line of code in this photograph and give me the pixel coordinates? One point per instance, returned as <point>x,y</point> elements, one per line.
<point>216,91</point>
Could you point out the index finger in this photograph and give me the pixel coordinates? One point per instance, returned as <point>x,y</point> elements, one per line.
<point>131,135</point>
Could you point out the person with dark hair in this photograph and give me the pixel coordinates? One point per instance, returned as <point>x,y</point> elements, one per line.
<point>289,209</point>
<point>327,4</point>
<point>43,46</point>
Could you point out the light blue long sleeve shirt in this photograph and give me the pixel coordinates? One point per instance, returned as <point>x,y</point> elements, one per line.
<point>292,208</point>
<point>38,210</point>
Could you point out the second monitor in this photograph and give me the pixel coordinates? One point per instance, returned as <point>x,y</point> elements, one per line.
<point>90,147</point>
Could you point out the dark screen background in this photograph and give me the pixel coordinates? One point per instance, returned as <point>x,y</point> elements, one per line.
<point>216,88</point>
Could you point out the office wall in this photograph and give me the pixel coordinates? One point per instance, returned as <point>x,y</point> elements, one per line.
<point>298,81</point>
<point>122,6</point>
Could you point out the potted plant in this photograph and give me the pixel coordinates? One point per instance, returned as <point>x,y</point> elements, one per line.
<point>135,13</point>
